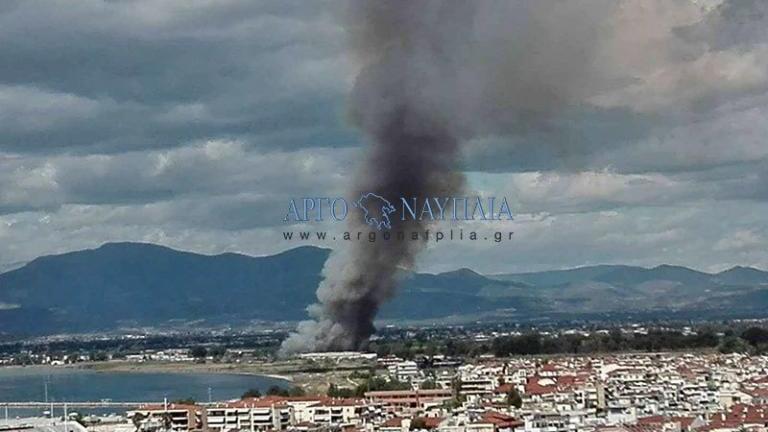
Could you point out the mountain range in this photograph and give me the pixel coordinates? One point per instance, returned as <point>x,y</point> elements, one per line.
<point>122,285</point>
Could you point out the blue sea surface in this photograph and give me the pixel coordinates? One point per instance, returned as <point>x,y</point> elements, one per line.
<point>78,385</point>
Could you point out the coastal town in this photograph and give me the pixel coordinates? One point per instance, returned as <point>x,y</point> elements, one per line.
<point>634,392</point>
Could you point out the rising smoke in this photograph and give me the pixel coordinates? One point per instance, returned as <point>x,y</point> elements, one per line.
<point>435,74</point>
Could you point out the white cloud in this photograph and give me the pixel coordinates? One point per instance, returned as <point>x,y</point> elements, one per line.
<point>684,85</point>
<point>740,240</point>
<point>24,108</point>
<point>198,171</point>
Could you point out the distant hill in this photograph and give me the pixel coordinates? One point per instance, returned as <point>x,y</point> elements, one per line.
<point>629,276</point>
<point>144,284</point>
<point>620,288</point>
<point>559,277</point>
<point>135,284</point>
<point>743,276</point>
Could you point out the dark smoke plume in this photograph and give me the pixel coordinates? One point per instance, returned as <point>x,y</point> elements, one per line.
<point>434,74</point>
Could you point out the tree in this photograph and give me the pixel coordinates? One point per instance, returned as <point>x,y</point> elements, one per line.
<point>198,352</point>
<point>755,336</point>
<point>514,399</point>
<point>138,421</point>
<point>517,345</point>
<point>296,391</point>
<point>99,356</point>
<point>382,350</point>
<point>706,338</point>
<point>431,349</point>
<point>428,384</point>
<point>733,344</point>
<point>277,391</point>
<point>251,393</point>
<point>455,402</point>
<point>217,351</point>
<point>418,423</point>
<point>341,392</point>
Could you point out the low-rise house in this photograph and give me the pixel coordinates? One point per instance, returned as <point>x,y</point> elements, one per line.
<point>175,417</point>
<point>409,402</point>
<point>405,371</point>
<point>343,412</point>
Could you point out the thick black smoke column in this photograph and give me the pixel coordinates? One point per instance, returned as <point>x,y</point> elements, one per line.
<point>413,154</point>
<point>434,74</point>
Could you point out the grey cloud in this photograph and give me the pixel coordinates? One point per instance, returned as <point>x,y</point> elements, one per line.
<point>159,75</point>
<point>594,191</point>
<point>231,213</point>
<point>28,235</point>
<point>570,142</point>
<point>733,135</point>
<point>738,23</point>
<point>668,89</point>
<point>202,171</point>
<point>678,235</point>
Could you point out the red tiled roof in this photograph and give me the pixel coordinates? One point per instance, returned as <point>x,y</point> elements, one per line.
<point>651,419</point>
<point>342,402</point>
<point>740,414</point>
<point>432,422</point>
<point>500,420</point>
<point>566,380</point>
<point>685,422</point>
<point>761,392</point>
<point>429,422</point>
<point>393,422</point>
<point>534,388</point>
<point>263,402</point>
<point>317,398</point>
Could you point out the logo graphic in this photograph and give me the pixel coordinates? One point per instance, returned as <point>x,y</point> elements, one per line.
<point>377,210</point>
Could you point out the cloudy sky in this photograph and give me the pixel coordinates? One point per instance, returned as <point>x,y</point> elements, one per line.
<point>191,124</point>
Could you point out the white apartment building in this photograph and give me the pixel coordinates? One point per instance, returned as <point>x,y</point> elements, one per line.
<point>179,417</point>
<point>405,371</point>
<point>252,414</point>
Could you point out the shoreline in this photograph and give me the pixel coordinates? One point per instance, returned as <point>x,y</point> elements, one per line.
<point>310,377</point>
<point>145,368</point>
<point>182,368</point>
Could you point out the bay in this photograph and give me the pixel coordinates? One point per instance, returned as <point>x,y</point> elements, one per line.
<point>79,385</point>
